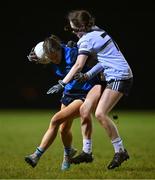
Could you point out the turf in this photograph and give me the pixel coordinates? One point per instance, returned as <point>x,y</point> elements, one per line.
<point>22,130</point>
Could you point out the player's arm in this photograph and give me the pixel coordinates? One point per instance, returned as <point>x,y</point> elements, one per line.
<point>94,71</point>
<point>82,77</point>
<point>77,67</point>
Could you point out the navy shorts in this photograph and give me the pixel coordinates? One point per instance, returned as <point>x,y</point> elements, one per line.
<point>69,98</point>
<point>123,86</point>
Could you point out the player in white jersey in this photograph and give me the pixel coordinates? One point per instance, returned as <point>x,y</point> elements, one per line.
<point>117,72</point>
<point>110,58</point>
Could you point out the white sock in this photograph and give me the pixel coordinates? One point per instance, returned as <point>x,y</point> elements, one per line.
<point>118,144</point>
<point>87,145</point>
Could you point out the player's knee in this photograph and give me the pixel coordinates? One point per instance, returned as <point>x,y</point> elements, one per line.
<point>101,116</point>
<point>54,122</point>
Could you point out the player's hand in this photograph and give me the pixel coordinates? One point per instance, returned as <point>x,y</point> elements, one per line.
<point>56,88</point>
<point>81,77</point>
<point>32,56</point>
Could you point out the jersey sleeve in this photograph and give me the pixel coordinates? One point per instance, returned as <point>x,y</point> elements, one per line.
<point>95,70</point>
<point>85,47</point>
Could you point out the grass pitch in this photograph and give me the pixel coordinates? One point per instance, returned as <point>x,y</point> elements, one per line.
<point>22,130</point>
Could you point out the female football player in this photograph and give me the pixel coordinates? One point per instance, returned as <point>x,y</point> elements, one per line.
<point>62,58</point>
<point>115,68</point>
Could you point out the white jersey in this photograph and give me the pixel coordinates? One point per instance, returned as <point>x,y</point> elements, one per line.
<point>112,60</point>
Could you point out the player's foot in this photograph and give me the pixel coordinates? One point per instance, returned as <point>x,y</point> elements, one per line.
<point>32,160</point>
<point>81,158</point>
<point>118,159</point>
<point>66,161</point>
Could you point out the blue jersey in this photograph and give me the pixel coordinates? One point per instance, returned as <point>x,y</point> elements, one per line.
<point>69,56</point>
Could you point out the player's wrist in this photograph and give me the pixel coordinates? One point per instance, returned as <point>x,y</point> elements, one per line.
<point>62,83</point>
<point>86,76</point>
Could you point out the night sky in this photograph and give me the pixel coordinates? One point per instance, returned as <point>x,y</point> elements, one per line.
<point>24,24</point>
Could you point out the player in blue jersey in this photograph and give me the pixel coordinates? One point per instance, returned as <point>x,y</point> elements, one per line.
<point>62,57</point>
<point>115,68</point>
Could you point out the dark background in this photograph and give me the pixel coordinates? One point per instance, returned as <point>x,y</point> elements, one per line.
<point>24,24</point>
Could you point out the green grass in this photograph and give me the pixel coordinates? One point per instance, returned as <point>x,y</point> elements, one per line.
<point>21,132</point>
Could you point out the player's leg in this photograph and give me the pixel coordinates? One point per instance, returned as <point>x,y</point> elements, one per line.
<point>65,131</point>
<point>107,101</point>
<point>66,137</point>
<point>86,109</point>
<point>110,97</point>
<point>71,111</point>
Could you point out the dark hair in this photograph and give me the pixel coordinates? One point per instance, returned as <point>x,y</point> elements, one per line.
<point>81,19</point>
<point>51,44</point>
